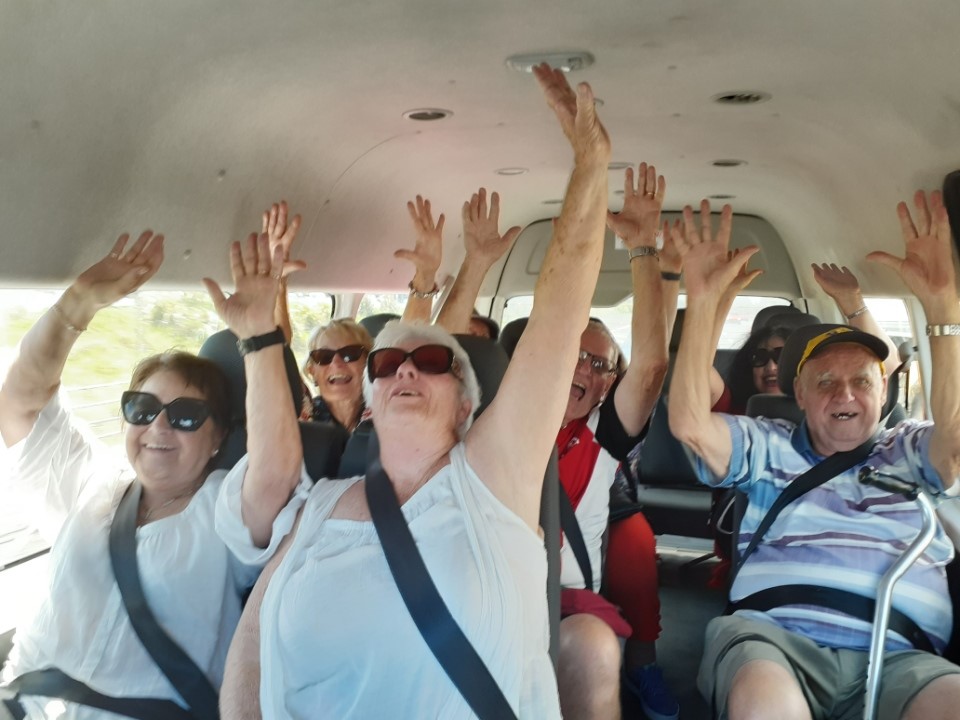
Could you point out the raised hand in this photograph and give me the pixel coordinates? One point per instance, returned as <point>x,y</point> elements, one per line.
<point>835,280</point>
<point>481,229</point>
<point>577,114</point>
<point>927,267</point>
<point>119,273</point>
<point>710,267</point>
<point>282,234</point>
<point>428,250</point>
<point>256,275</point>
<point>637,223</point>
<point>671,255</point>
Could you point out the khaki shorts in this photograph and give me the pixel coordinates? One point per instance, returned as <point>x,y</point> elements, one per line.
<point>833,681</point>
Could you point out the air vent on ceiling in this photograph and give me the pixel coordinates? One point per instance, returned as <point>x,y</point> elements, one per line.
<point>427,114</point>
<point>742,97</point>
<point>728,163</point>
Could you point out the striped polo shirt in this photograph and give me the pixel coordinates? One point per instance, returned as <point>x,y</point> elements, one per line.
<point>842,535</point>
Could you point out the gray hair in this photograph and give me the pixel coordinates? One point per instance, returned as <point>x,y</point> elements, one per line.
<point>396,333</point>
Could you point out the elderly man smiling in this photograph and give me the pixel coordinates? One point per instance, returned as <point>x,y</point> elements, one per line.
<point>786,653</point>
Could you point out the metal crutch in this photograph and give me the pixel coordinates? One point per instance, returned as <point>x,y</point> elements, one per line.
<point>881,614</point>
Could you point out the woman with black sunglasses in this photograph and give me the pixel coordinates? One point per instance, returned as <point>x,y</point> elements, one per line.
<point>470,496</point>
<point>176,414</point>
<point>338,351</point>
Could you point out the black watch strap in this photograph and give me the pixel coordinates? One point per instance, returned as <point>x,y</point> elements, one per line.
<point>258,342</point>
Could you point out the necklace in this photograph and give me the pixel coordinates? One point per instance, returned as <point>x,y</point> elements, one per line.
<point>145,516</point>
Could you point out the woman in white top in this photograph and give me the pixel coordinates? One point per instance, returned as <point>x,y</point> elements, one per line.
<point>176,415</point>
<point>332,637</point>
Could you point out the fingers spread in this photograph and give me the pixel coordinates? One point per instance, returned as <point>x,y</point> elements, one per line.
<point>263,254</point>
<point>237,269</point>
<point>215,293</point>
<point>119,245</point>
<point>884,258</point>
<point>134,252</point>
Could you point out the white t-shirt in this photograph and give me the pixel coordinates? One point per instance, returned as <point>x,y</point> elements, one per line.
<point>70,483</point>
<point>335,637</point>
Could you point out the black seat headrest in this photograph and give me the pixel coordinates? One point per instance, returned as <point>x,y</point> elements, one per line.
<point>762,318</point>
<point>489,361</point>
<point>374,323</point>
<point>221,348</point>
<point>792,320</point>
<point>510,334</point>
<point>775,407</point>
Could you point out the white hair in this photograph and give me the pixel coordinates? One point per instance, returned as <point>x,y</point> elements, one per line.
<point>397,333</point>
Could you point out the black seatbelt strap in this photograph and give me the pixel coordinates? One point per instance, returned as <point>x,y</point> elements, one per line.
<point>446,640</point>
<point>848,603</point>
<point>188,679</point>
<point>57,684</point>
<point>825,470</point>
<point>574,536</point>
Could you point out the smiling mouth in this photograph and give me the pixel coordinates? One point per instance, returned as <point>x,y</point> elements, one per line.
<point>159,448</point>
<point>843,416</point>
<point>339,379</point>
<point>577,391</point>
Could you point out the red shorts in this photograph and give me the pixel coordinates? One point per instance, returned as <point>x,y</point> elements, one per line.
<point>576,601</point>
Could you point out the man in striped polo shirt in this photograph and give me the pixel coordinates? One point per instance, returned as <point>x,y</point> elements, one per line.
<point>795,657</point>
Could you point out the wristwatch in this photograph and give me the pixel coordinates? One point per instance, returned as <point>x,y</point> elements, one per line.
<point>258,342</point>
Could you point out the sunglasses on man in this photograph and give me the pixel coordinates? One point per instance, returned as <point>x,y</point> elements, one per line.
<point>348,353</point>
<point>429,359</point>
<point>186,414</point>
<point>761,356</point>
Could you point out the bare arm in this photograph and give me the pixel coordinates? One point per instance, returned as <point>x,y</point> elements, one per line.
<point>425,256</point>
<point>510,443</point>
<point>710,272</point>
<point>274,451</point>
<point>928,270</point>
<point>240,692</point>
<point>484,245</point>
<point>34,375</point>
<point>844,288</point>
<point>637,226</point>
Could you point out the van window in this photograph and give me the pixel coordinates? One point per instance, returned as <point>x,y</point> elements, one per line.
<point>375,303</point>
<point>891,314</point>
<point>735,331</point>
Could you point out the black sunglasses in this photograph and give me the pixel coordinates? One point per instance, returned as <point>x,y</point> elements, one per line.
<point>429,359</point>
<point>186,414</point>
<point>761,356</point>
<point>348,353</point>
<point>598,365</point>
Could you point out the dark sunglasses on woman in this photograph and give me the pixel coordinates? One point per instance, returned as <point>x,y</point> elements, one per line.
<point>348,353</point>
<point>761,356</point>
<point>186,414</point>
<point>429,359</point>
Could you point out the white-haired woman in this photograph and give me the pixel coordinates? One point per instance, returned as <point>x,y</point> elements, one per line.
<point>332,636</point>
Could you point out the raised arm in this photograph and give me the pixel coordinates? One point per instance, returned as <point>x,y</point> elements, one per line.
<point>928,270</point>
<point>710,270</point>
<point>274,451</point>
<point>510,443</point>
<point>844,288</point>
<point>484,246</point>
<point>282,234</point>
<point>425,256</point>
<point>636,225</point>
<point>34,375</point>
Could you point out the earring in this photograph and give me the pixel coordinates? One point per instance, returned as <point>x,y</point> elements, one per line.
<point>215,452</point>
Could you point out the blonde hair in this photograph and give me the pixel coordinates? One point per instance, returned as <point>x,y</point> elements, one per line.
<point>350,327</point>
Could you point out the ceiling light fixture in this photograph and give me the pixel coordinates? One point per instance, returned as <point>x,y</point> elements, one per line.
<point>566,60</point>
<point>509,171</point>
<point>427,114</point>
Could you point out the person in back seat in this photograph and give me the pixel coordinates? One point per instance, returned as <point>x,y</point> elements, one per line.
<point>82,641</point>
<point>796,645</point>
<point>469,495</point>
<point>593,438</point>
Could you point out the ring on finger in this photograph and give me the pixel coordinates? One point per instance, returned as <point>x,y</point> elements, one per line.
<point>114,255</point>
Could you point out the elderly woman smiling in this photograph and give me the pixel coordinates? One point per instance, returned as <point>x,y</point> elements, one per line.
<point>332,636</point>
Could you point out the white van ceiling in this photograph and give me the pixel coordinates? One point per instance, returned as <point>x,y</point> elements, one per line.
<point>191,117</point>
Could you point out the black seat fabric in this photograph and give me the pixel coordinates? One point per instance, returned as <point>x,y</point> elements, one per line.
<point>374,323</point>
<point>791,320</point>
<point>323,443</point>
<point>773,406</point>
<point>510,334</point>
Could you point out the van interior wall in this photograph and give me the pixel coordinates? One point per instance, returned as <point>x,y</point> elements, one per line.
<point>191,117</point>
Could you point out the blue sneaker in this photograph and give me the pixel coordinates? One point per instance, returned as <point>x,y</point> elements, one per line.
<point>647,684</point>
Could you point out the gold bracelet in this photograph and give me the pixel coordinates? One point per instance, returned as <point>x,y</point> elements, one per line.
<point>63,318</point>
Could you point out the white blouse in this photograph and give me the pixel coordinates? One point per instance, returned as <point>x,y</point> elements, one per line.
<point>192,583</point>
<point>336,639</point>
